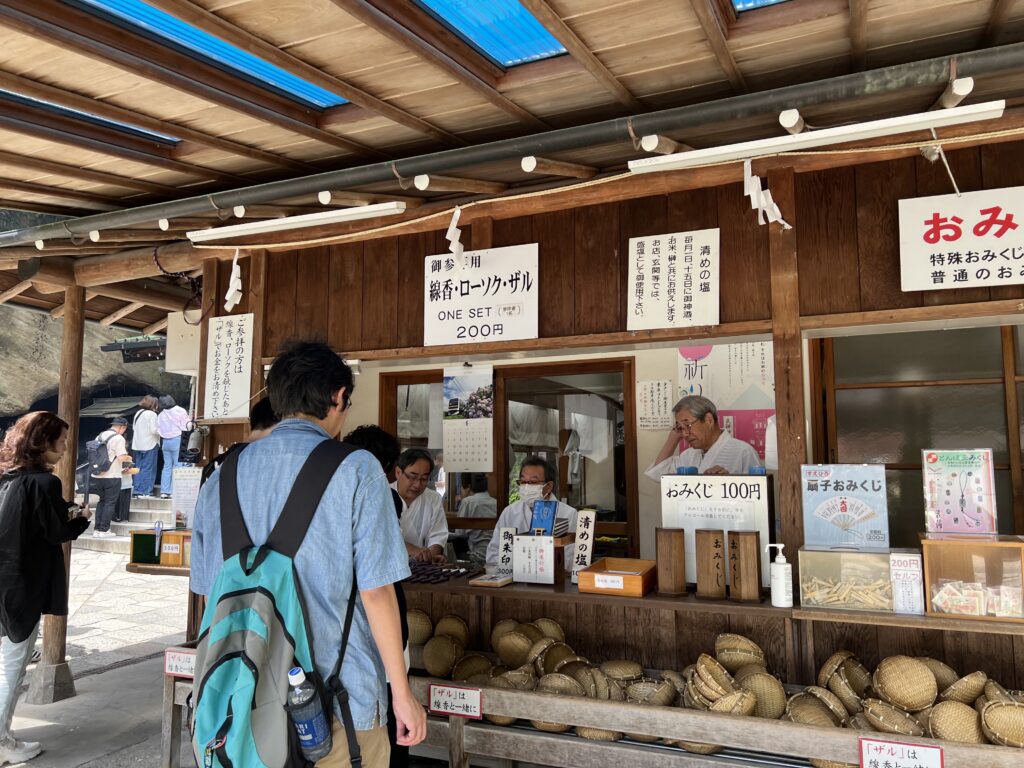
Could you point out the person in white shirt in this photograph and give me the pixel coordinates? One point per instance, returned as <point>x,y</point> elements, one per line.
<point>537,480</point>
<point>711,450</point>
<point>424,526</point>
<point>171,422</point>
<point>145,445</point>
<point>107,485</point>
<point>476,502</point>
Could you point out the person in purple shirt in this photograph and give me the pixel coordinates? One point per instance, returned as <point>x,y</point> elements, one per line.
<point>170,423</point>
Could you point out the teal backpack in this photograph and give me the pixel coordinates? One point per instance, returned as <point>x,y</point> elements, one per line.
<point>254,630</point>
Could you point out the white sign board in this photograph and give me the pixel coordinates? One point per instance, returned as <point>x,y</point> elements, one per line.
<point>488,295</point>
<point>533,559</point>
<point>456,701</point>
<point>969,240</point>
<point>585,532</point>
<point>724,502</point>
<point>654,401</point>
<point>507,541</point>
<point>907,575</point>
<point>228,368</point>
<point>182,352</point>
<point>877,753</point>
<point>185,492</point>
<point>673,280</point>
<point>180,662</point>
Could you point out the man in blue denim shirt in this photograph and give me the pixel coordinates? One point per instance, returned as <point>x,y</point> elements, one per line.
<point>355,525</point>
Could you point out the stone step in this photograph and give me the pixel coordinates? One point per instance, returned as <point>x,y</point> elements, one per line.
<point>123,529</point>
<point>149,517</point>
<point>152,503</point>
<point>120,545</point>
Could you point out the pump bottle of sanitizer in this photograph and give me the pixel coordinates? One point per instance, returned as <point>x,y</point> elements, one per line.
<point>782,579</point>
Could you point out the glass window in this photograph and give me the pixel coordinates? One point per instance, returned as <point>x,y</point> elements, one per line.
<point>893,425</point>
<point>749,5</point>
<point>967,353</point>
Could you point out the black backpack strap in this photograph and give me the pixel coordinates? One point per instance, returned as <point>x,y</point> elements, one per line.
<point>336,687</point>
<point>234,536</point>
<point>310,484</point>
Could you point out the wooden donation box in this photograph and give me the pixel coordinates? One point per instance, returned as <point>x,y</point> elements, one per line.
<point>623,576</point>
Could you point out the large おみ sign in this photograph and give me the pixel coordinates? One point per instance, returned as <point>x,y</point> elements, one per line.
<point>487,295</point>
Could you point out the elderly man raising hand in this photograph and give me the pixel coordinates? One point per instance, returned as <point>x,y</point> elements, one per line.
<point>711,449</point>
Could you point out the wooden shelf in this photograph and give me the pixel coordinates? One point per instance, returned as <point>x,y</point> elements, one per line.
<point>533,592</point>
<point>158,570</point>
<point>908,621</point>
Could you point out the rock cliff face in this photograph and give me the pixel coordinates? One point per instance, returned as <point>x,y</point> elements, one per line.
<point>30,362</point>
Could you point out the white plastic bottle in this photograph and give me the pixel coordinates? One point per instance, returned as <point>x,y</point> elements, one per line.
<point>782,579</point>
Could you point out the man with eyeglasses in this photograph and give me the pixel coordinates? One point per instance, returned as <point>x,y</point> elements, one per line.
<point>537,480</point>
<point>712,450</point>
<point>424,526</point>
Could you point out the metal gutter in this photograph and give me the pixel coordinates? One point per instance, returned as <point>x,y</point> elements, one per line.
<point>931,72</point>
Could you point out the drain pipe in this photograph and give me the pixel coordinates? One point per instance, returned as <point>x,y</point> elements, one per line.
<point>901,77</point>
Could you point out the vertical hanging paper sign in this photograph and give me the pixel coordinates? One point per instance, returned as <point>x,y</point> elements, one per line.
<point>654,404</point>
<point>673,280</point>
<point>585,520</point>
<point>505,551</point>
<point>468,427</point>
<point>228,374</point>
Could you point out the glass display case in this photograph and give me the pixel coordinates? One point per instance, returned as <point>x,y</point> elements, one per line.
<point>847,579</point>
<point>974,576</point>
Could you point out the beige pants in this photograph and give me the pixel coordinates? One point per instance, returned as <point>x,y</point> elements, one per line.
<point>373,744</point>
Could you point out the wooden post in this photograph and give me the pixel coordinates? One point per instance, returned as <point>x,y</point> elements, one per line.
<point>789,379</point>
<point>457,757</point>
<point>257,305</point>
<point>52,680</point>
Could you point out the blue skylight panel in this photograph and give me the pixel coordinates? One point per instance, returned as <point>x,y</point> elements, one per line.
<point>501,29</point>
<point>154,23</point>
<point>749,5</point>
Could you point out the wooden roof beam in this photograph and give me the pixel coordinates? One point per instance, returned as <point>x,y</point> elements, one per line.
<point>859,33</point>
<point>86,33</point>
<point>57,210</point>
<point>159,325</point>
<point>88,200</point>
<point>133,263</point>
<point>184,224</point>
<point>131,236</point>
<point>541,165</point>
<point>374,18</point>
<point>579,51</point>
<point>215,25</point>
<point>662,145</point>
<point>715,31</point>
<point>346,197</point>
<point>996,18</point>
<point>107,111</point>
<point>425,182</point>
<point>15,290</point>
<point>85,174</point>
<point>122,313</point>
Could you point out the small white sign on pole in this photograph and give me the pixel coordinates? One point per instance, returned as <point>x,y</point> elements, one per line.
<point>228,368</point>
<point>180,662</point>
<point>533,559</point>
<point>969,240</point>
<point>456,701</point>
<point>185,493</point>
<point>878,753</point>
<point>585,520</point>
<point>673,280</point>
<point>486,295</point>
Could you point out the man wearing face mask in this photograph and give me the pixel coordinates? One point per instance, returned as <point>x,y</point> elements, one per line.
<point>537,479</point>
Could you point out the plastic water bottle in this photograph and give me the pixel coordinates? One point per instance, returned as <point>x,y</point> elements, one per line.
<point>307,715</point>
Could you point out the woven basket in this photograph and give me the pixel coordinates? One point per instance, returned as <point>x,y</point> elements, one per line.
<point>531,630</point>
<point>597,734</point>
<point>657,693</point>
<point>806,709</point>
<point>537,650</point>
<point>469,665</point>
<point>421,628</point>
<point>571,664</point>
<point>440,654</point>
<point>749,669</point>
<point>553,655</point>
<point>945,675</point>
<point>889,719</point>
<point>693,698</point>
<point>500,682</point>
<point>689,671</point>
<point>1017,696</point>
<point>955,721</point>
<point>735,651</point>
<point>480,679</point>
<point>924,717</point>
<point>551,628</point>
<point>906,683</point>
<point>697,748</point>
<point>860,722</point>
<point>980,702</point>
<point>738,703</point>
<point>623,671</point>
<point>563,685</point>
<point>831,665</point>
<point>522,679</point>
<point>616,690</point>
<point>585,677</point>
<point>677,680</point>
<point>498,669</point>
<point>771,696</point>
<point>839,684</point>
<point>501,628</point>
<point>1003,723</point>
<point>713,677</point>
<point>995,692</point>
<point>857,675</point>
<point>513,648</point>
<point>454,627</point>
<point>966,689</point>
<point>835,707</point>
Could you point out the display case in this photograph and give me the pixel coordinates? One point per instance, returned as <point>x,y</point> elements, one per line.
<point>974,576</point>
<point>849,579</point>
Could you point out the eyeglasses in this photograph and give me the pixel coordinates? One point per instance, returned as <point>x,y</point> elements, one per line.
<point>686,426</point>
<point>416,478</point>
<point>532,482</point>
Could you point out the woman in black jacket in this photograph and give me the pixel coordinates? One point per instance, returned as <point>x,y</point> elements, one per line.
<point>34,521</point>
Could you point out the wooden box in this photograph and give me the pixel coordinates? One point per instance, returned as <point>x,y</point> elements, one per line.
<point>671,553</point>
<point>143,547</point>
<point>974,576</point>
<point>172,546</point>
<point>623,576</point>
<point>847,579</point>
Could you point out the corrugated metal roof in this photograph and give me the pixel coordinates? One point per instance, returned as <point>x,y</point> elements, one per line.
<point>111,406</point>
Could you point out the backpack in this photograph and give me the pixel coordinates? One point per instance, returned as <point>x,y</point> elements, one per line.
<point>254,630</point>
<point>98,455</point>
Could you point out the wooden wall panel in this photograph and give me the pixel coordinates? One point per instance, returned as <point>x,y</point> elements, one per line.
<point>1002,166</point>
<point>746,278</point>
<point>600,278</point>
<point>650,638</point>
<point>862,639</point>
<point>968,652</point>
<point>512,231</point>
<point>380,294</point>
<point>600,631</point>
<point>692,209</point>
<point>412,253</point>
<point>695,634</point>
<point>932,179</point>
<point>827,242</point>
<point>312,293</point>
<point>553,233</point>
<point>638,218</point>
<point>893,641</point>
<point>279,325</point>
<point>345,305</point>
<point>880,187</point>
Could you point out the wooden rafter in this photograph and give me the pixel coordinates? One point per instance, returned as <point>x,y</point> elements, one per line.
<point>715,32</point>
<point>156,327</point>
<point>579,51</point>
<point>122,313</point>
<point>210,22</point>
<point>374,18</point>
<point>70,100</point>
<point>132,236</point>
<point>544,166</point>
<point>84,174</point>
<point>58,312</point>
<point>90,35</point>
<point>15,290</point>
<point>434,183</point>
<point>25,205</point>
<point>996,18</point>
<point>859,33</point>
<point>85,199</point>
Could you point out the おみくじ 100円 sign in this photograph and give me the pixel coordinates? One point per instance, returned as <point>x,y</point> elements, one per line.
<point>486,295</point>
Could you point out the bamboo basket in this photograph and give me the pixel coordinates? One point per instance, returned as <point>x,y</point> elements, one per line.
<point>537,650</point>
<point>890,719</point>
<point>421,628</point>
<point>857,675</point>
<point>1003,723</point>
<point>513,648</point>
<point>736,703</point>
<point>734,651</point>
<point>832,703</point>
<point>840,685</point>
<point>531,630</point>
<point>454,627</point>
<point>469,665</point>
<point>906,683</point>
<point>806,709</point>
<point>659,694</point>
<point>966,689</point>
<point>562,685</point>
<point>770,694</point>
<point>501,628</point>
<point>995,692</point>
<point>623,671</point>
<point>500,682</point>
<point>749,669</point>
<point>831,665</point>
<point>945,675</point>
<point>956,721</point>
<point>551,628</point>
<point>440,654</point>
<point>713,677</point>
<point>553,654</point>
<point>522,679</point>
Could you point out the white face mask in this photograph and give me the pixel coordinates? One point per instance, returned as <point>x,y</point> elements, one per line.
<point>531,493</point>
